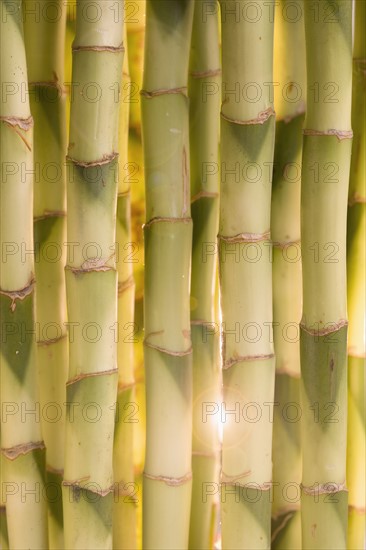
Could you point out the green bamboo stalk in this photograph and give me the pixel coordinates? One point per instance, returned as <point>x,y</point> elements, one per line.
<point>124,517</point>
<point>247,144</point>
<point>356,271</point>
<point>23,450</point>
<point>4,538</point>
<point>204,95</point>
<point>91,276</point>
<point>44,35</point>
<point>289,100</point>
<point>323,341</point>
<point>135,16</point>
<point>168,241</point>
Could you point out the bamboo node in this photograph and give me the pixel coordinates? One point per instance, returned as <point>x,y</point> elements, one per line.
<point>204,195</point>
<point>159,219</point>
<point>164,91</point>
<point>23,123</point>
<point>286,518</point>
<point>112,49</point>
<point>125,285</point>
<point>328,329</point>
<point>324,488</point>
<point>47,214</point>
<point>356,198</point>
<point>263,116</point>
<point>164,350</point>
<point>77,487</point>
<point>228,363</point>
<point>106,159</point>
<point>18,294</point>
<point>339,134</point>
<point>171,481</point>
<point>205,74</point>
<point>246,237</point>
<point>84,375</point>
<point>24,448</point>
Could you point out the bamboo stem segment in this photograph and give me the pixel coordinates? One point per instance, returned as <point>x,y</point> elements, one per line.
<point>91,276</point>
<point>23,450</point>
<point>356,271</point>
<point>289,100</point>
<point>168,241</point>
<point>247,144</point>
<point>44,39</point>
<point>325,176</point>
<point>204,95</point>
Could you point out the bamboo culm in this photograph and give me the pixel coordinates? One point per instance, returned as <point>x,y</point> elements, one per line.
<point>323,333</point>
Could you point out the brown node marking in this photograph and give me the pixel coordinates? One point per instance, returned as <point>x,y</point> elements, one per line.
<point>51,470</point>
<point>77,484</point>
<point>50,214</point>
<point>122,387</point>
<point>289,118</point>
<point>18,294</point>
<point>125,285</point>
<point>164,350</point>
<point>285,244</point>
<point>324,488</point>
<point>22,123</point>
<point>228,363</point>
<point>106,159</point>
<point>124,193</point>
<point>171,481</point>
<point>84,375</point>
<point>204,194</point>
<point>159,219</point>
<point>164,91</point>
<point>112,49</point>
<point>286,518</point>
<point>51,340</point>
<point>356,199</point>
<point>263,116</point>
<point>246,237</point>
<point>91,266</point>
<point>205,454</point>
<point>205,74</point>
<point>340,134</point>
<point>333,327</point>
<point>24,448</point>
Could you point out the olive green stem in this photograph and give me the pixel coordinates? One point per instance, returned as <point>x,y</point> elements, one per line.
<point>289,100</point>
<point>91,275</point>
<point>356,271</point>
<point>23,450</point>
<point>44,39</point>
<point>168,242</point>
<point>325,177</point>
<point>247,145</point>
<point>203,90</point>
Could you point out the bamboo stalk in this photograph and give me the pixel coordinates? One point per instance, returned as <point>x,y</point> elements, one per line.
<point>323,344</point>
<point>124,518</point>
<point>356,271</point>
<point>168,241</point>
<point>247,144</point>
<point>289,101</point>
<point>135,16</point>
<point>23,450</point>
<point>44,40</point>
<point>203,91</point>
<point>91,276</point>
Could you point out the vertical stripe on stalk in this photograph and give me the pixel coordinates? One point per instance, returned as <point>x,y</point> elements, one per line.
<point>91,276</point>
<point>204,96</point>
<point>247,145</point>
<point>168,241</point>
<point>323,337</point>
<point>22,447</point>
<point>289,99</point>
